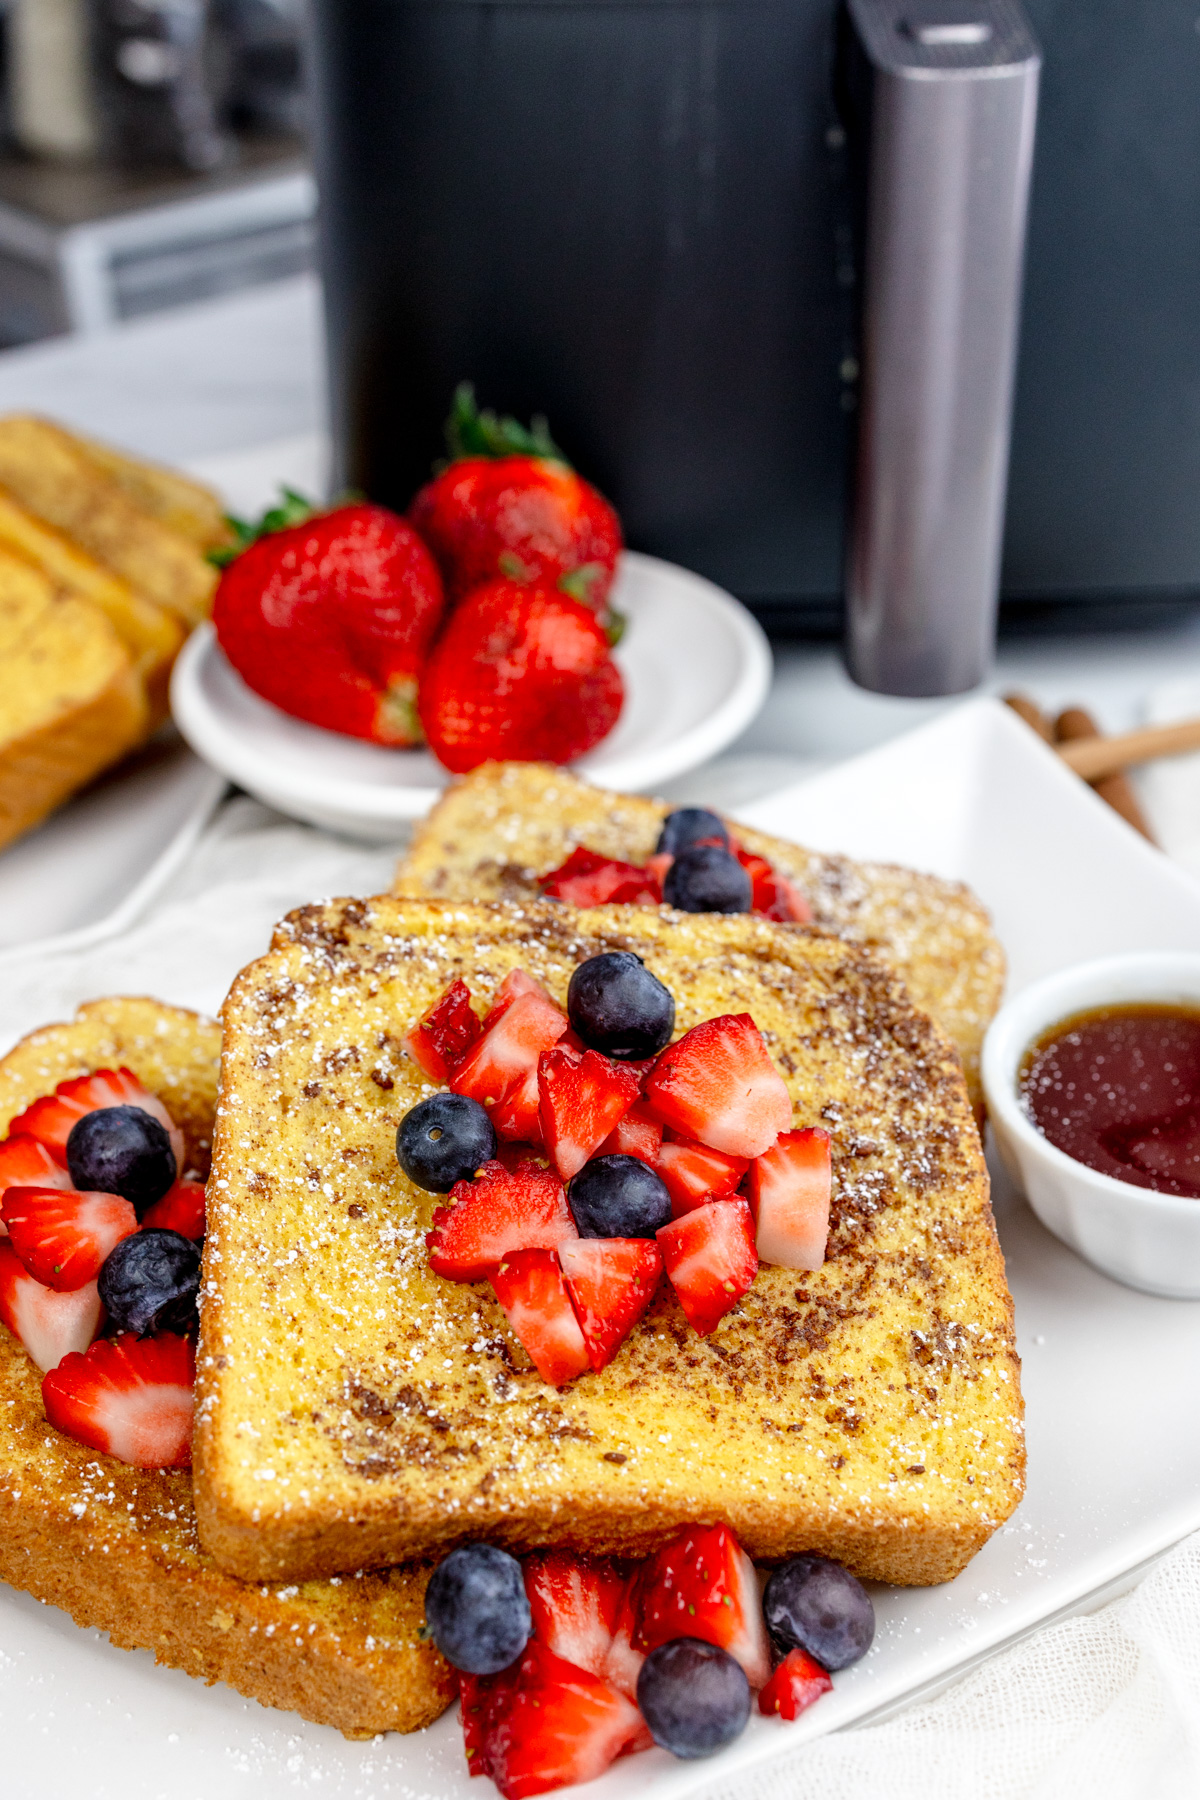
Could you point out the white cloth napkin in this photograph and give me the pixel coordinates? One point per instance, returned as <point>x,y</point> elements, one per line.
<point>1106,1706</point>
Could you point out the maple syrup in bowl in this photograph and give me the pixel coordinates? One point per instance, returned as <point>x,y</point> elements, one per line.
<point>1092,1078</point>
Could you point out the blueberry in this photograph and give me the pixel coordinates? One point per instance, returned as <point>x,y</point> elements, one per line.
<point>476,1609</point>
<point>150,1282</point>
<point>814,1604</point>
<point>688,826</point>
<point>443,1140</point>
<point>121,1150</point>
<point>694,1697</point>
<point>618,1196</point>
<point>619,1008</point>
<point>707,879</point>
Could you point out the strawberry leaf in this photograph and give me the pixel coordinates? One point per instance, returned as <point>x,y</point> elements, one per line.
<point>470,432</point>
<point>292,509</point>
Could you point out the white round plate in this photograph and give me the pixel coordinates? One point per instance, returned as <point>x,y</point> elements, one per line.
<point>696,666</point>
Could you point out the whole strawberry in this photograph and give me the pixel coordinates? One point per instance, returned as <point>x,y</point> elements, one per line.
<point>509,503</point>
<point>331,620</point>
<point>521,674</point>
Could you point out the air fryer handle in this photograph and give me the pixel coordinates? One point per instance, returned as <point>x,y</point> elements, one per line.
<point>952,88</point>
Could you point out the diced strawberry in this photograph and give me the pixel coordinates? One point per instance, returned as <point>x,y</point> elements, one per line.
<point>515,983</point>
<point>796,1683</point>
<point>611,1281</point>
<point>181,1209</point>
<point>589,879</point>
<point>474,1692</point>
<point>703,1585</point>
<point>62,1237</point>
<point>772,893</point>
<point>718,1084</point>
<point>501,1071</point>
<point>658,866</point>
<point>693,1174</point>
<point>789,1197</point>
<point>637,1134</point>
<point>442,1038</point>
<point>711,1260</point>
<point>554,1724</point>
<point>50,1119</point>
<point>530,1287</point>
<point>502,1210</point>
<point>575,1602</point>
<point>580,1100</point>
<point>49,1325</point>
<point>129,1397</point>
<point>623,1663</point>
<point>24,1162</point>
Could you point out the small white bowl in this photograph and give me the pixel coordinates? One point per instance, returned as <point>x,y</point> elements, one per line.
<point>1145,1239</point>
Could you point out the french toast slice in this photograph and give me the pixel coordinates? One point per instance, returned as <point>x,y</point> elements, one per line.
<point>495,831</point>
<point>115,1546</point>
<point>357,1409</point>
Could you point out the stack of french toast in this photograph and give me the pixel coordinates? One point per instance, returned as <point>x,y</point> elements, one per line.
<point>360,1415</point>
<point>103,571</point>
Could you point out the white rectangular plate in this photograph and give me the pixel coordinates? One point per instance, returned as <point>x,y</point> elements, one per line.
<point>1112,1379</point>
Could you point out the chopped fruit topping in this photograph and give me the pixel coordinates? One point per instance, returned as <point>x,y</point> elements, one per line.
<point>637,1134</point>
<point>550,1723</point>
<point>151,1283</point>
<point>515,983</point>
<point>703,1585</point>
<point>580,1100</point>
<point>530,1287</point>
<point>619,1008</point>
<point>611,1281</point>
<point>442,1038</point>
<point>711,1260</point>
<point>789,1196</point>
<point>50,1119</point>
<point>814,1604</point>
<point>771,893</point>
<point>694,1174</point>
<point>477,1610</point>
<point>707,878</point>
<point>24,1162</point>
<point>796,1683</point>
<point>501,1071</point>
<point>122,1150</point>
<point>181,1209</point>
<point>63,1238</point>
<point>443,1140</point>
<point>589,879</point>
<point>618,1197</point>
<point>694,1697</point>
<point>128,1397</point>
<point>623,1664</point>
<point>502,1211</point>
<point>575,1603</point>
<point>718,1084</point>
<point>689,825</point>
<point>49,1325</point>
<point>474,1694</point>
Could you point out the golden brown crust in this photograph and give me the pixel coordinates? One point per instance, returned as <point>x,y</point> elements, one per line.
<point>116,1547</point>
<point>495,831</point>
<point>871,1410</point>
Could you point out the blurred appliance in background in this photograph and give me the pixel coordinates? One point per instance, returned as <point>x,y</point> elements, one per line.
<point>640,219</point>
<point>153,97</point>
<point>262,55</point>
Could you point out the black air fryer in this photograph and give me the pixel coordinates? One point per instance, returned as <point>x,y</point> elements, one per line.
<point>650,220</point>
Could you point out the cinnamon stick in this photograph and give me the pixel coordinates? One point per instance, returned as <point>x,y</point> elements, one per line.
<point>1095,757</point>
<point>1075,726</point>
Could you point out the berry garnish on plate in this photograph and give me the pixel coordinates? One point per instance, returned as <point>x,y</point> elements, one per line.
<point>130,1397</point>
<point>689,825</point>
<point>501,1211</point>
<point>501,1069</point>
<point>618,1197</point>
<point>707,878</point>
<point>589,879</point>
<point>581,1099</point>
<point>575,1603</point>
<point>789,1190</point>
<point>52,1118</point>
<point>122,1150</point>
<point>63,1238</point>
<point>181,1209</point>
<point>529,1285</point>
<point>476,1609</point>
<point>548,1724</point>
<point>611,1282</point>
<point>519,674</point>
<point>151,1283</point>
<point>814,1604</point>
<point>443,1140</point>
<point>638,1134</point>
<point>438,1042</point>
<point>694,1697</point>
<point>693,1174</point>
<point>796,1683</point>
<point>25,1162</point>
<point>49,1325</point>
<point>509,503</point>
<point>710,1260</point>
<point>718,1084</point>
<point>703,1585</point>
<point>331,620</point>
<point>619,1007</point>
